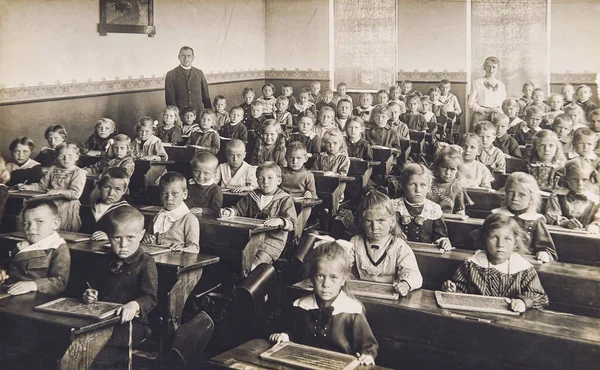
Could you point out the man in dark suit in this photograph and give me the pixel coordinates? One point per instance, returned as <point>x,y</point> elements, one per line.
<point>185,86</point>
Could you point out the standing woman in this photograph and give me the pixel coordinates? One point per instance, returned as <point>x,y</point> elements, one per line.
<point>487,93</point>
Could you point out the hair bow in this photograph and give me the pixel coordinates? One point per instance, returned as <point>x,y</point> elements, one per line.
<point>489,85</point>
<point>155,124</point>
<point>323,239</point>
<point>442,145</point>
<point>109,144</point>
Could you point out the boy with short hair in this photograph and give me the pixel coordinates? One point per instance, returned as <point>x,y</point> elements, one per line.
<point>504,141</point>
<point>533,118</point>
<point>315,92</point>
<point>287,90</point>
<point>236,174</point>
<point>343,112</point>
<point>304,103</point>
<point>537,100</point>
<point>326,100</point>
<point>382,133</point>
<point>526,99</point>
<point>272,204</point>
<point>583,94</point>
<point>563,127</point>
<point>449,100</point>
<point>174,226</point>
<point>188,121</point>
<point>204,195</point>
<point>233,129</point>
<point>584,143</point>
<point>490,155</point>
<point>306,135</point>
<point>248,95</point>
<point>555,101</point>
<point>406,89</point>
<point>342,93</point>
<point>257,117</point>
<point>41,262</point>
<point>395,110</point>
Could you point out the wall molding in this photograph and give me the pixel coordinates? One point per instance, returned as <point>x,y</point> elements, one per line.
<point>574,78</point>
<point>432,76</point>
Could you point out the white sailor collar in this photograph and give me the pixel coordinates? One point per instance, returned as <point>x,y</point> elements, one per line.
<point>342,304</point>
<point>527,216</point>
<point>516,262</point>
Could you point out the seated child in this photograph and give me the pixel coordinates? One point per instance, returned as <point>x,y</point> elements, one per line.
<point>382,98</point>
<point>490,155</point>
<point>526,99</point>
<point>298,182</point>
<point>315,92</point>
<point>204,194</point>
<point>595,126</point>
<point>23,169</point>
<point>437,107</point>
<point>584,143</point>
<point>568,92</point>
<point>506,143</point>
<point>66,180</point>
<point>396,110</point>
<point>406,89</point>
<point>248,94</point>
<point>420,219</point>
<point>118,155</point>
<point>270,146</point>
<point>306,135</point>
<point>395,97</point>
<point>533,117</point>
<point>287,90</point>
<point>343,113</point>
<point>546,160</point>
<point>40,263</point>
<point>446,189</point>
<point>342,93</point>
<point>379,252</point>
<point>555,101</point>
<point>358,146</point>
<point>256,119</point>
<point>578,115</point>
<point>449,100</point>
<point>413,119</point>
<point>329,318</point>
<point>499,270</point>
<point>537,97</point>
<point>272,204</point>
<point>426,111</point>
<point>326,122</point>
<point>99,141</point>
<point>510,107</point>
<point>365,107</point>
<point>127,276</point>
<point>189,122</point>
<point>175,226</point>
<point>170,129</point>
<point>234,129</point>
<point>584,93</point>
<point>563,127</point>
<point>268,99</point>
<point>326,100</point>
<point>382,133</point>
<point>207,138</point>
<point>523,199</point>
<point>576,206</point>
<point>112,186</point>
<point>55,135</point>
<point>146,145</point>
<point>236,175</point>
<point>304,103</point>
<point>335,157</point>
<point>282,115</point>
<point>220,108</point>
<point>476,174</point>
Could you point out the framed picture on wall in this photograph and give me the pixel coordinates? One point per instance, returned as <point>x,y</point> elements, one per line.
<point>127,16</point>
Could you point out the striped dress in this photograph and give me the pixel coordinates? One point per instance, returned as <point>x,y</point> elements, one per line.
<point>515,278</point>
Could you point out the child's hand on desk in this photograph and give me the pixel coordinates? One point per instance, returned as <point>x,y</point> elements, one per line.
<point>21,186</point>
<point>176,247</point>
<point>516,304</point>
<point>449,286</point>
<point>90,296</point>
<point>22,287</point>
<point>279,337</point>
<point>307,195</point>
<point>149,239</point>
<point>593,229</point>
<point>128,311</point>
<point>3,276</point>
<point>240,190</point>
<point>99,235</point>
<point>54,192</point>
<point>151,158</point>
<point>543,256</point>
<point>196,210</point>
<point>402,288</point>
<point>365,359</point>
<point>274,222</point>
<point>226,212</point>
<point>571,224</point>
<point>444,243</point>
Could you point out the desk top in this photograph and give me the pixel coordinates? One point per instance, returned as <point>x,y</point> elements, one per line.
<point>28,194</point>
<point>300,201</point>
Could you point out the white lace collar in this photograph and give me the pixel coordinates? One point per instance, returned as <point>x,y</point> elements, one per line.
<point>516,262</point>
<point>342,304</point>
<point>431,211</point>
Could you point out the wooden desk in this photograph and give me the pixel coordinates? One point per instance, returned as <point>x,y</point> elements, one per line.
<point>180,153</point>
<point>330,189</point>
<point>14,205</point>
<point>86,160</point>
<point>514,164</point>
<point>362,170</point>
<point>230,199</point>
<point>415,332</point>
<point>70,342</point>
<point>248,354</point>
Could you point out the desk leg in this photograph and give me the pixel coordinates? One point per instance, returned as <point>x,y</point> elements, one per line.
<point>84,348</point>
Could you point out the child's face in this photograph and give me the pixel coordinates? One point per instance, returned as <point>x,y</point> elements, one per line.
<point>68,157</point>
<point>500,244</point>
<point>416,188</point>
<point>206,122</point>
<point>315,88</point>
<point>406,88</point>
<point>221,105</point>
<point>235,157</point>
<point>342,90</point>
<point>344,109</point>
<point>445,88</point>
<point>584,94</point>
<point>249,98</point>
<point>287,91</point>
<point>189,118</point>
<point>538,97</point>
<point>54,139</point>
<point>303,97</point>
<point>527,90</point>
<point>595,122</point>
<point>412,105</point>
<point>366,101</point>
<point>394,112</point>
<point>488,137</point>
<point>377,224</point>
<point>354,130</point>
<point>434,96</point>
<point>236,116</point>
<point>281,105</point>
<point>256,111</point>
<point>203,172</point>
<point>501,128</point>
<point>268,181</point>
<point>172,195</point>
<point>518,198</point>
<point>104,130</point>
<point>579,181</point>
<point>169,118</point>
<point>563,128</point>
<point>39,223</point>
<point>533,122</point>
<point>329,279</point>
<point>546,149</point>
<point>555,102</point>
<point>447,171</point>
<point>112,190</point>
<point>267,91</point>
<point>381,118</point>
<point>145,132</point>
<point>382,98</point>
<point>21,154</point>
<point>585,145</point>
<point>574,113</point>
<point>395,94</point>
<point>328,97</point>
<point>471,150</point>
<point>296,159</point>
<point>269,135</point>
<point>333,144</point>
<point>511,111</point>
<point>426,106</point>
<point>327,118</point>
<point>126,237</point>
<point>120,149</point>
<point>305,125</point>
<point>568,92</point>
